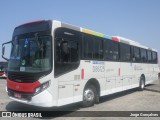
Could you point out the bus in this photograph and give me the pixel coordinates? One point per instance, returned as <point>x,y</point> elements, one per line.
<point>54,63</point>
<point>3,66</point>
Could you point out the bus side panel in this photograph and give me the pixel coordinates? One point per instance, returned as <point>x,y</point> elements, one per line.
<point>95,70</point>
<point>126,72</point>
<point>112,75</point>
<point>70,87</point>
<point>155,72</point>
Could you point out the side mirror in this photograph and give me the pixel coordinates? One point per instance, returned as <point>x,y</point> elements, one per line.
<point>3,50</point>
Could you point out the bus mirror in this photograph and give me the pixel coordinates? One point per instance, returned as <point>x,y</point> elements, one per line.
<point>4,49</point>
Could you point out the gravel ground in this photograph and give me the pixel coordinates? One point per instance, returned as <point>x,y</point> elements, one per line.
<point>131,100</point>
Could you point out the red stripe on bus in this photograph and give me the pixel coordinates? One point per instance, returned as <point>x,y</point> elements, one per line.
<point>82,74</point>
<point>119,71</point>
<point>23,87</point>
<point>115,39</point>
<point>1,73</point>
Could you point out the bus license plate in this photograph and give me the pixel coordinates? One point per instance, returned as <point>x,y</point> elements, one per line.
<point>17,95</point>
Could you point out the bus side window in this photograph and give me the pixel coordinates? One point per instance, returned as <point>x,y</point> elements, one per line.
<point>125,52</point>
<point>149,55</point>
<point>111,50</point>
<point>143,55</point>
<point>136,54</point>
<point>154,57</point>
<point>65,52</point>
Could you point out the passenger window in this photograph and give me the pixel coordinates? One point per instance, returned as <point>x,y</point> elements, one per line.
<point>136,54</point>
<point>149,55</point>
<point>88,46</point>
<point>125,52</point>
<point>143,55</point>
<point>93,47</point>
<point>111,50</point>
<point>154,57</point>
<point>66,50</point>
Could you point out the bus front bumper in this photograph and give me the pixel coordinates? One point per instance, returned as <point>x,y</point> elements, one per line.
<point>43,99</point>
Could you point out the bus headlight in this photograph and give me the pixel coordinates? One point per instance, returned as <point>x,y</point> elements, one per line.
<point>42,87</point>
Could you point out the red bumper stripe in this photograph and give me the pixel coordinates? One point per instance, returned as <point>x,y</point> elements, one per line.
<point>1,73</point>
<point>23,87</point>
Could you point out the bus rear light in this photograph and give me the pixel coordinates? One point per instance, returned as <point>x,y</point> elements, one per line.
<point>42,87</point>
<point>82,74</point>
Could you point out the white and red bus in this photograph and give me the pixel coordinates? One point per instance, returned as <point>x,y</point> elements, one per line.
<point>54,64</point>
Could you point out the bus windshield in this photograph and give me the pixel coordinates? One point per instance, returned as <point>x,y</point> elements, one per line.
<point>31,55</point>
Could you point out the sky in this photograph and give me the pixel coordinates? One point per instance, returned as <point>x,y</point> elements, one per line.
<point>138,20</point>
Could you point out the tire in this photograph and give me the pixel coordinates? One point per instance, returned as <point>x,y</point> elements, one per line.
<point>142,83</point>
<point>89,96</point>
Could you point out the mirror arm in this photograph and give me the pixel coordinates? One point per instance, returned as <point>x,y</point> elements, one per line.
<point>5,58</point>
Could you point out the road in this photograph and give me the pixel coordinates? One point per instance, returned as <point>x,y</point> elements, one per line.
<point>131,100</point>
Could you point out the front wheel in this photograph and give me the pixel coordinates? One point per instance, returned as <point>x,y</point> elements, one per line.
<point>89,96</point>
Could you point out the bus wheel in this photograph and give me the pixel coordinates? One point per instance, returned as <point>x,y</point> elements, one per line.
<point>89,96</point>
<point>142,83</point>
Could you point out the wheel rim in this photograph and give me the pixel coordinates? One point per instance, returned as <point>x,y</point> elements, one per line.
<point>88,95</point>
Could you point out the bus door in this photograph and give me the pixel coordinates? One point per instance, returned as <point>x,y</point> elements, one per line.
<point>66,63</point>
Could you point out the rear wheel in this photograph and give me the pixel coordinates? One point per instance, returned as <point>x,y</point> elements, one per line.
<point>142,83</point>
<point>89,96</point>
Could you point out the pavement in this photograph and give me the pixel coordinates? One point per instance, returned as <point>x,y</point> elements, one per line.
<point>154,87</point>
<point>128,101</point>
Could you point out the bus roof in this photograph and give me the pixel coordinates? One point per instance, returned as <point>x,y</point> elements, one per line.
<point>115,38</point>
<point>88,31</point>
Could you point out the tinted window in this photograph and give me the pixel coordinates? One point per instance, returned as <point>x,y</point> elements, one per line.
<point>32,27</point>
<point>154,57</point>
<point>98,48</point>
<point>143,55</point>
<point>149,55</point>
<point>88,46</point>
<point>93,47</point>
<point>111,50</point>
<point>125,53</point>
<point>66,50</point>
<point>32,55</point>
<point>136,54</point>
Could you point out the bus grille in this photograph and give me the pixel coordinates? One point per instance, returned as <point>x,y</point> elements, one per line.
<point>21,78</point>
<point>24,96</point>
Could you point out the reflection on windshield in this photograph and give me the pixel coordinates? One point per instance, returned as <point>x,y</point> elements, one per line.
<point>31,54</point>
